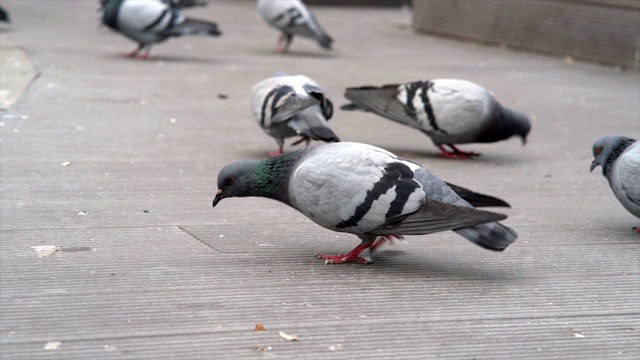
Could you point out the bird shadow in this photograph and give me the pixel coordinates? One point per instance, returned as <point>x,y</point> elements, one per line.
<point>434,154</point>
<point>167,59</point>
<point>298,53</point>
<point>409,265</point>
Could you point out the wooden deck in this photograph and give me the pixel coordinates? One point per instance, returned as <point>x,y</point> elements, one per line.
<point>113,162</point>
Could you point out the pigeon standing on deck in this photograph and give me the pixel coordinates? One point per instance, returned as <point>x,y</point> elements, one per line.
<point>292,17</point>
<point>366,191</point>
<point>286,106</point>
<point>619,157</point>
<point>148,22</point>
<point>449,111</point>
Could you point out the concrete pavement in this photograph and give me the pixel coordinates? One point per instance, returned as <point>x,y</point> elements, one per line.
<point>112,161</point>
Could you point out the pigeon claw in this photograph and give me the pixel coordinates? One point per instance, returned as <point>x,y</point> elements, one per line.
<point>352,256</point>
<point>274,153</point>
<point>342,258</point>
<point>455,153</point>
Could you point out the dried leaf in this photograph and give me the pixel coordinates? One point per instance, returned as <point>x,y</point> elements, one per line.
<point>259,327</point>
<point>52,345</point>
<point>288,337</point>
<point>45,250</point>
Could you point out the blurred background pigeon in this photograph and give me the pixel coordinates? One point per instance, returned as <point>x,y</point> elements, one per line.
<point>286,106</point>
<point>4,15</point>
<point>292,17</point>
<point>619,157</point>
<point>148,22</point>
<point>449,111</point>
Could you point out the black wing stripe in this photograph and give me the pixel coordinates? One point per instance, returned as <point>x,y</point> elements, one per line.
<point>276,94</point>
<point>156,21</point>
<point>428,109</point>
<point>393,172</point>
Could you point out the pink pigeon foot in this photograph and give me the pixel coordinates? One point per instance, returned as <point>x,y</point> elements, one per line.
<point>350,257</point>
<point>456,153</point>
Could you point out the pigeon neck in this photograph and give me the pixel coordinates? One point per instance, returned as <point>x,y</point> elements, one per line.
<point>507,123</point>
<point>271,177</point>
<point>614,152</point>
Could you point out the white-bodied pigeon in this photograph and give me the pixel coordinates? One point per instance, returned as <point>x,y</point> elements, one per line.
<point>148,22</point>
<point>286,106</point>
<point>619,157</point>
<point>449,111</point>
<point>292,17</point>
<point>366,191</point>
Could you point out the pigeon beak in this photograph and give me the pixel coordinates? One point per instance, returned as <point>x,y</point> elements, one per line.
<point>594,165</point>
<point>218,197</point>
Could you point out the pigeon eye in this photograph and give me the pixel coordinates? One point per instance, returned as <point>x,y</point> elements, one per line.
<point>228,181</point>
<point>597,151</point>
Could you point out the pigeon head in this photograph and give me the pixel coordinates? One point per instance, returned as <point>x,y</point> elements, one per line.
<point>517,123</point>
<point>234,180</point>
<point>264,178</point>
<point>607,149</point>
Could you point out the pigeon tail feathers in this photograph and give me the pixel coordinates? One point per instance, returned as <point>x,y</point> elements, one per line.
<point>492,236</point>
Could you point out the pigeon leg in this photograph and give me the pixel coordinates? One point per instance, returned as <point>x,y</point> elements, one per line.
<point>283,42</point>
<point>350,257</point>
<point>392,242</point>
<point>135,52</point>
<point>279,151</point>
<point>456,153</point>
<point>302,138</point>
<point>145,55</point>
<point>465,154</point>
<point>637,229</point>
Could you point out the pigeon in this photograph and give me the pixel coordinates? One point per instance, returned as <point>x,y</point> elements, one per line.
<point>292,17</point>
<point>286,106</point>
<point>4,15</point>
<point>366,191</point>
<point>449,111</point>
<point>152,21</point>
<point>619,157</point>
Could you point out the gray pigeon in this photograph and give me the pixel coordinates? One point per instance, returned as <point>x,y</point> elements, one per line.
<point>366,191</point>
<point>148,22</point>
<point>286,106</point>
<point>619,157</point>
<point>292,17</point>
<point>449,111</point>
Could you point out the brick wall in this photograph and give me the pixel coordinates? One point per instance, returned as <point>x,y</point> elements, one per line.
<point>603,31</point>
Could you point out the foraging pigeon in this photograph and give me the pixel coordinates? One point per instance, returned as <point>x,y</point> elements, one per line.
<point>292,17</point>
<point>152,21</point>
<point>4,15</point>
<point>449,111</point>
<point>619,157</point>
<point>286,106</point>
<point>366,191</point>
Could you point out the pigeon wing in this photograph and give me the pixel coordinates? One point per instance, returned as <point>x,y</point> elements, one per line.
<point>382,101</point>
